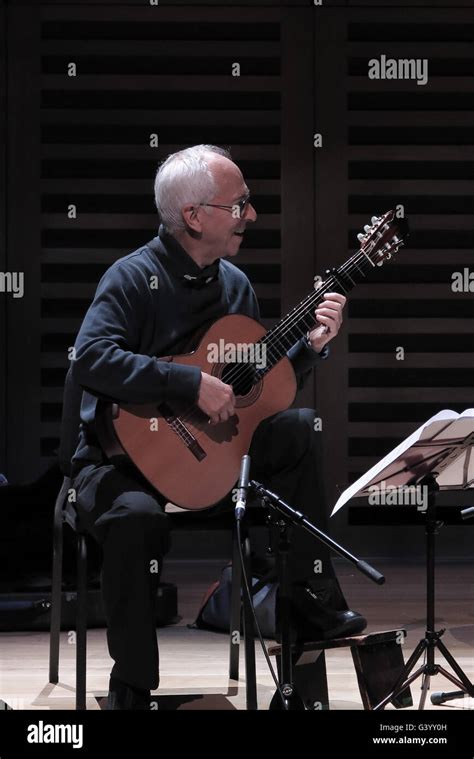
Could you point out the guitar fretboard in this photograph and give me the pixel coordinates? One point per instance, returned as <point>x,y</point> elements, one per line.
<point>301,319</point>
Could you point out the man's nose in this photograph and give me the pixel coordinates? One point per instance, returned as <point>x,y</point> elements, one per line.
<point>250,213</point>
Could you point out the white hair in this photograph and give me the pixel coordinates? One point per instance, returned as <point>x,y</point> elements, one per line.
<point>185,177</point>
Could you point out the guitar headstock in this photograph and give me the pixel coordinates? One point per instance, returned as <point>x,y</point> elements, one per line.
<point>382,238</point>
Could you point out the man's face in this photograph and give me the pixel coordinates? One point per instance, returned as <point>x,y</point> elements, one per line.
<point>222,229</point>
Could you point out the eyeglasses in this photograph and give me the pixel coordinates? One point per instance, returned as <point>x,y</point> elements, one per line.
<point>241,205</point>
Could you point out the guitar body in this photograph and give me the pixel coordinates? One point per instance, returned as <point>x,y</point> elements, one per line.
<point>192,463</point>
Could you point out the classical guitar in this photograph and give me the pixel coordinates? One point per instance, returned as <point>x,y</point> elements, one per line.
<point>195,464</point>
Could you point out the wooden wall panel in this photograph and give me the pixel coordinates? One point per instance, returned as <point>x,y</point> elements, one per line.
<point>3,234</point>
<point>395,142</point>
<point>23,246</point>
<point>149,70</point>
<point>144,69</point>
<point>297,167</point>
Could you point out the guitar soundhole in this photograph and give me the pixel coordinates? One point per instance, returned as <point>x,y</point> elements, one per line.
<point>240,376</point>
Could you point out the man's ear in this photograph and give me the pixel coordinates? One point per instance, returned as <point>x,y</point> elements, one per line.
<point>191,217</point>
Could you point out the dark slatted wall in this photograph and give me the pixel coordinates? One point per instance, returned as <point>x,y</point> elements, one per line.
<point>3,236</point>
<point>143,71</point>
<point>399,143</point>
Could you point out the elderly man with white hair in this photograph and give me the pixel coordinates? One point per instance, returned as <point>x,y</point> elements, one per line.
<point>204,207</point>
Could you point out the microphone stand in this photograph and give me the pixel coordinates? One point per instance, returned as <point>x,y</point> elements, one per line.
<point>288,516</point>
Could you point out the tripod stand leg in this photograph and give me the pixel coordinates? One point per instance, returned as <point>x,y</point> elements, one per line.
<point>455,680</point>
<point>403,680</point>
<point>464,680</point>
<point>425,686</point>
<point>396,691</point>
<point>249,640</point>
<point>235,610</point>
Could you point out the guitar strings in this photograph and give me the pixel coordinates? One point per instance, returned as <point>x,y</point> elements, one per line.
<point>293,317</point>
<point>312,298</point>
<point>303,306</point>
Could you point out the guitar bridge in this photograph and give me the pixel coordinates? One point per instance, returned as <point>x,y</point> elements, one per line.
<point>182,431</point>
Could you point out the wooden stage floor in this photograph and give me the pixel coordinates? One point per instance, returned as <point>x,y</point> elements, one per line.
<point>195,661</point>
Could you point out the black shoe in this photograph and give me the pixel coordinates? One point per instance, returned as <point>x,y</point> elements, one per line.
<point>344,624</point>
<point>124,696</point>
<point>317,615</point>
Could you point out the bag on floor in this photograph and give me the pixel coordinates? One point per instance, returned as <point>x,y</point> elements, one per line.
<point>214,613</point>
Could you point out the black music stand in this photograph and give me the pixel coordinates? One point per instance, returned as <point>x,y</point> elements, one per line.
<point>432,639</point>
<point>440,452</point>
<point>440,697</point>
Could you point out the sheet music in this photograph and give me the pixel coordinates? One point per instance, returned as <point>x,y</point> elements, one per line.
<point>445,425</point>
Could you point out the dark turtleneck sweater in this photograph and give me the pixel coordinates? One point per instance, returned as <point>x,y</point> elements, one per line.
<point>150,304</point>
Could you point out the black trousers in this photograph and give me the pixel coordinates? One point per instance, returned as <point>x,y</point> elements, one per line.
<point>127,518</point>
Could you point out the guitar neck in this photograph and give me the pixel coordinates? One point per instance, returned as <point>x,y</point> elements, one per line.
<point>301,318</point>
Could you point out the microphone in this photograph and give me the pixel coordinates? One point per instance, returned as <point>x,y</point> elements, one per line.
<point>242,488</point>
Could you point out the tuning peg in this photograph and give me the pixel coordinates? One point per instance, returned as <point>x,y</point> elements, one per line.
<point>367,228</point>
<point>360,237</point>
<point>374,219</point>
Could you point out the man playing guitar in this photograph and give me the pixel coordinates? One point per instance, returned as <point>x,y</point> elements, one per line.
<point>150,304</point>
